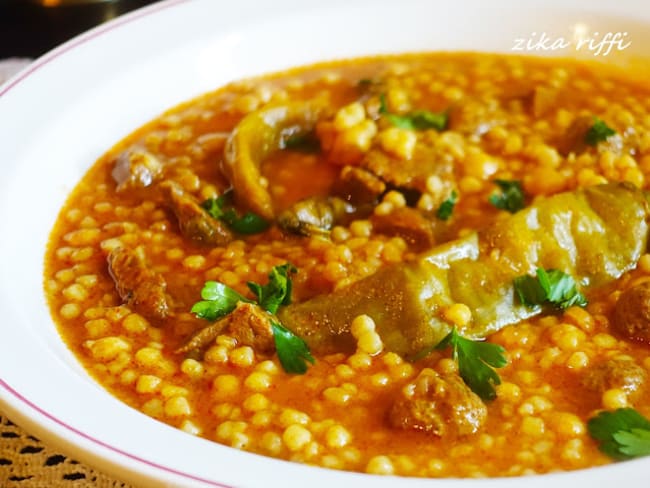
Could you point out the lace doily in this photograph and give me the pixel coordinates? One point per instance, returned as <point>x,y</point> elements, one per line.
<point>26,463</point>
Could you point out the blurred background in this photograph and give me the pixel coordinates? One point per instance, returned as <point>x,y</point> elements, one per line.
<point>30,28</point>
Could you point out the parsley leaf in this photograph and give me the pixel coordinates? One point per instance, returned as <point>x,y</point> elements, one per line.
<point>598,132</point>
<point>415,120</point>
<point>277,291</point>
<point>549,286</point>
<point>365,83</point>
<point>249,223</point>
<point>218,300</point>
<point>305,143</point>
<point>292,350</point>
<point>623,433</point>
<point>512,197</point>
<point>475,362</point>
<point>446,208</point>
<point>383,105</point>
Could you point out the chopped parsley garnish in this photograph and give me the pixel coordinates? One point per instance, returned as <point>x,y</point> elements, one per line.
<point>598,132</point>
<point>277,291</point>
<point>219,300</point>
<point>476,361</point>
<point>415,120</point>
<point>221,209</point>
<point>511,198</point>
<point>446,208</point>
<point>292,350</point>
<point>365,82</point>
<point>549,287</point>
<point>623,433</point>
<point>305,143</point>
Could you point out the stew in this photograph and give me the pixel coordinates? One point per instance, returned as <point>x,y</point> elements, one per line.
<point>427,265</point>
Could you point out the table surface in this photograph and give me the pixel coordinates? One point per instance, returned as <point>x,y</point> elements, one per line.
<point>28,30</point>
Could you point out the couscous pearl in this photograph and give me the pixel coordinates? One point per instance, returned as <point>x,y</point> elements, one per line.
<point>295,437</point>
<point>380,465</point>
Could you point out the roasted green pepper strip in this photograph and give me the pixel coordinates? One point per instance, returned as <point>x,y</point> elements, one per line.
<point>256,136</point>
<point>594,234</point>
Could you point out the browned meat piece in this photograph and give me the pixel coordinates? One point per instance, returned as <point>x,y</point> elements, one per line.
<point>623,374</point>
<point>632,313</point>
<point>358,186</point>
<point>544,100</point>
<point>619,143</point>
<point>441,405</point>
<point>407,223</point>
<point>573,140</point>
<point>139,287</point>
<point>194,222</point>
<point>314,215</point>
<point>202,338</point>
<point>247,323</point>
<point>412,173</point>
<point>135,168</point>
<point>251,326</point>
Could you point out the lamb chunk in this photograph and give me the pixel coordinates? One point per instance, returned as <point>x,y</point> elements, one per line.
<point>632,313</point>
<point>411,173</point>
<point>441,405</point>
<point>314,215</point>
<point>194,222</point>
<point>573,140</point>
<point>136,168</point>
<point>544,100</point>
<point>407,223</point>
<point>623,374</point>
<point>247,323</point>
<point>139,287</point>
<point>202,338</point>
<point>251,326</point>
<point>358,186</point>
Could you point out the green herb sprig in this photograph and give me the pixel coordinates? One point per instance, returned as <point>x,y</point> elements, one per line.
<point>622,434</point>
<point>306,143</point>
<point>220,208</point>
<point>476,361</point>
<point>551,286</point>
<point>415,120</point>
<point>292,350</point>
<point>512,197</point>
<point>598,132</point>
<point>446,208</point>
<point>278,289</point>
<point>219,300</point>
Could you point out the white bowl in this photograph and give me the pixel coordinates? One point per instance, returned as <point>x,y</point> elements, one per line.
<point>60,114</point>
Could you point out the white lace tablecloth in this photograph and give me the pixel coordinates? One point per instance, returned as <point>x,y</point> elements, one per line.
<point>25,462</point>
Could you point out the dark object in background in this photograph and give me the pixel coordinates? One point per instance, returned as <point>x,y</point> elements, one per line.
<point>30,29</point>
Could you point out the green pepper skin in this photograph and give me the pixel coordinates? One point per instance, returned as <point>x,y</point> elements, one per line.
<point>594,234</point>
<point>257,136</point>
